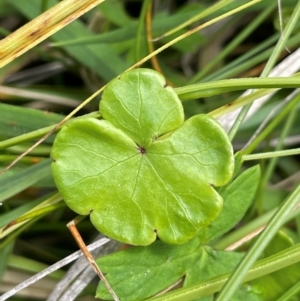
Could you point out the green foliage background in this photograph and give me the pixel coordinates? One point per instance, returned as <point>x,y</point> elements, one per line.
<point>46,83</point>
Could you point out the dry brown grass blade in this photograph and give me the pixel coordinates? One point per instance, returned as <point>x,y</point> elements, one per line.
<point>42,27</point>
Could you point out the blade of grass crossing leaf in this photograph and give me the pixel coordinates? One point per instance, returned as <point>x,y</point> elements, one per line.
<point>276,222</point>
<point>185,93</point>
<point>251,227</point>
<point>263,267</point>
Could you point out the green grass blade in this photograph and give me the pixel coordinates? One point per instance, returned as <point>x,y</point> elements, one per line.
<point>217,87</point>
<point>17,120</point>
<point>12,184</point>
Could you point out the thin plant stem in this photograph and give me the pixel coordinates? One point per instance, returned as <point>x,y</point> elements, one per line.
<point>275,154</point>
<point>245,239</point>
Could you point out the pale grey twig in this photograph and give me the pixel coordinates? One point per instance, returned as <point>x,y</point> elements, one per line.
<point>76,269</point>
<point>79,285</point>
<point>82,273</point>
<point>52,268</point>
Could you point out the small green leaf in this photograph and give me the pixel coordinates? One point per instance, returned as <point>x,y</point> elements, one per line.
<point>142,172</point>
<point>141,272</point>
<point>237,197</point>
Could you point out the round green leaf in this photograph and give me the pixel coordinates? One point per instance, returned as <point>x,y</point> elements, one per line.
<point>142,172</point>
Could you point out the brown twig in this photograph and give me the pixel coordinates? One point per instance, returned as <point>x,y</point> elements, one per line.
<point>72,227</point>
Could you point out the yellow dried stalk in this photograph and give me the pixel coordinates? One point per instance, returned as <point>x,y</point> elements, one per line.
<point>42,27</point>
